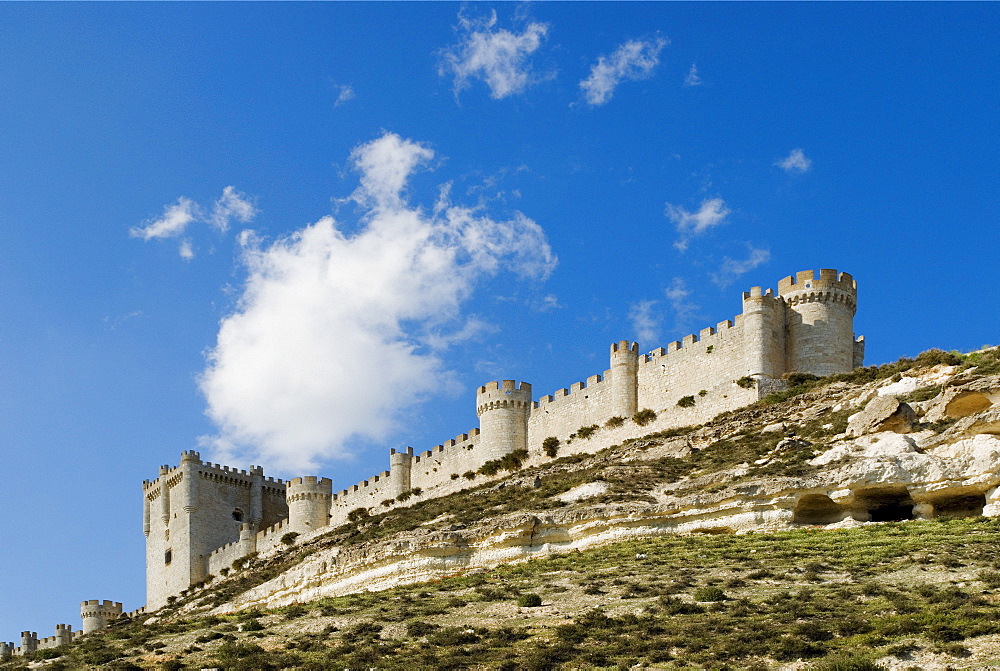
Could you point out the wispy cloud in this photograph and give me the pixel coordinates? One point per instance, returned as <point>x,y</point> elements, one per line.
<point>172,223</point>
<point>692,78</point>
<point>176,219</point>
<point>232,205</point>
<point>732,269</point>
<point>338,333</point>
<point>501,58</point>
<point>685,311</point>
<point>712,212</point>
<point>645,321</point>
<point>345,94</point>
<point>633,60</point>
<point>796,161</point>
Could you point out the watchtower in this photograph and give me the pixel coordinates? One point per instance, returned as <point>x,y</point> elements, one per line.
<point>820,321</point>
<point>308,503</point>
<point>97,614</point>
<point>400,467</point>
<point>503,409</point>
<point>624,379</point>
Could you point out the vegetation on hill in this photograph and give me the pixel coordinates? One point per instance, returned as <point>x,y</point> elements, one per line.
<point>834,599</point>
<point>837,599</point>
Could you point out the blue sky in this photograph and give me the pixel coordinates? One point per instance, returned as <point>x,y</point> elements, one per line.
<point>301,234</point>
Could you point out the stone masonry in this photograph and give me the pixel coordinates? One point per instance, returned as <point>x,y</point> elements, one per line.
<point>199,518</point>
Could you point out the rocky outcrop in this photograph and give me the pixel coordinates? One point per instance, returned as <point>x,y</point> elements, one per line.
<point>885,466</point>
<point>882,413</point>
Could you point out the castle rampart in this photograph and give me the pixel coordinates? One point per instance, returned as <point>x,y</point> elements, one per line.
<point>199,518</point>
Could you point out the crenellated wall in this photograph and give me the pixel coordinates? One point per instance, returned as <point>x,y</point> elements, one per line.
<point>806,327</point>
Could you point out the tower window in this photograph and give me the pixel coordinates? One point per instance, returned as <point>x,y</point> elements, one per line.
<point>167,556</point>
<point>238,515</point>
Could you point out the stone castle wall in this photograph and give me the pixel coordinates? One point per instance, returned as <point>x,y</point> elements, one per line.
<point>806,327</point>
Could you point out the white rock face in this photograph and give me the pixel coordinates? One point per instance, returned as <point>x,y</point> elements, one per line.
<point>584,491</point>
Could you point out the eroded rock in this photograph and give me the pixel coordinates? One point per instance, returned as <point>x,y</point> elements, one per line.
<point>882,413</point>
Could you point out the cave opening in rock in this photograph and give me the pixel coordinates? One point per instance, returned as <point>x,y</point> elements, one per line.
<point>964,505</point>
<point>817,509</point>
<point>892,505</point>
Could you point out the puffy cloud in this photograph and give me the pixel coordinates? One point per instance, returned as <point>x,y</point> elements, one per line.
<point>692,78</point>
<point>796,161</point>
<point>346,93</point>
<point>633,60</point>
<point>645,322</point>
<point>712,212</point>
<point>232,205</point>
<point>497,56</point>
<point>732,269</point>
<point>172,224</point>
<point>337,333</point>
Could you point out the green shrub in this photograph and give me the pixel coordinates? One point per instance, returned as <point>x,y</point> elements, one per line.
<point>685,402</point>
<point>253,624</point>
<point>709,594</point>
<point>508,462</point>
<point>586,431</point>
<point>529,601</point>
<point>289,538</point>
<point>469,475</point>
<point>746,382</point>
<point>403,497</point>
<point>357,515</point>
<point>703,392</point>
<point>614,422</point>
<point>644,417</point>
<point>550,446</point>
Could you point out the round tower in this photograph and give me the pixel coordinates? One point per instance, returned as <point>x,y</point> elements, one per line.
<point>97,614</point>
<point>820,321</point>
<point>29,642</point>
<point>764,334</point>
<point>400,466</point>
<point>503,409</point>
<point>624,379</point>
<point>308,503</point>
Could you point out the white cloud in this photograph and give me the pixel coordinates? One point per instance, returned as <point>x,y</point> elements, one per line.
<point>498,57</point>
<point>712,212</point>
<point>645,323</point>
<point>336,334</point>
<point>172,224</point>
<point>177,217</point>
<point>685,311</point>
<point>732,269</point>
<point>692,78</point>
<point>633,60</point>
<point>346,93</point>
<point>232,205</point>
<point>796,161</point>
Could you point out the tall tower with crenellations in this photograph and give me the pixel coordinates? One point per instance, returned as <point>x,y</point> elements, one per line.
<point>820,322</point>
<point>503,409</point>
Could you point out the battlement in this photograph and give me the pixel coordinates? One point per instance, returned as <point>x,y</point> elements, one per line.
<point>308,487</point>
<point>505,386</point>
<point>109,606</point>
<point>828,278</point>
<point>505,394</point>
<point>624,346</point>
<point>801,327</point>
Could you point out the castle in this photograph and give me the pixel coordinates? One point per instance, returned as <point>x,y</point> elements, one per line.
<point>199,518</point>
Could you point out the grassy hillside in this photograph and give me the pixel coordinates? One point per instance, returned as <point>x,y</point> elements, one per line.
<point>915,594</point>
<point>838,599</point>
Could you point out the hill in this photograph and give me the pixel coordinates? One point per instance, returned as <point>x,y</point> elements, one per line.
<point>837,524</point>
